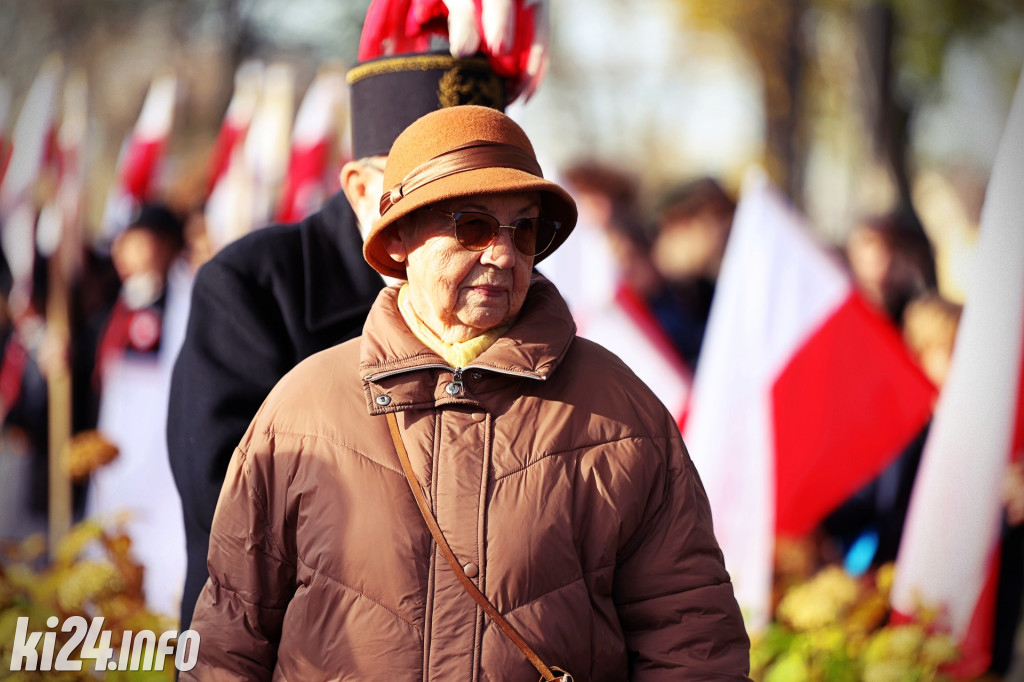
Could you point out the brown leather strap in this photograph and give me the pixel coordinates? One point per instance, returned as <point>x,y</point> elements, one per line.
<point>467,584</point>
<point>470,156</point>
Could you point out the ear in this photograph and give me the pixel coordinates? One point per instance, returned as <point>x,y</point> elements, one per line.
<point>354,183</point>
<point>395,243</point>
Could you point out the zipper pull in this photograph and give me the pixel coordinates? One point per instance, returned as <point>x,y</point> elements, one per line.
<point>455,388</point>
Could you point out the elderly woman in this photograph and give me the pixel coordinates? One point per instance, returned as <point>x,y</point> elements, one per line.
<point>468,491</point>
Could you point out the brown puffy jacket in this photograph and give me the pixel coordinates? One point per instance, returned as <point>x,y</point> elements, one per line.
<point>559,480</point>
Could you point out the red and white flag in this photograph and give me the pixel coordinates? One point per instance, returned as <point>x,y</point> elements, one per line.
<point>229,203</point>
<point>32,149</point>
<point>608,312</point>
<point>247,191</point>
<point>269,139</point>
<point>59,228</point>
<point>308,180</point>
<point>803,392</point>
<point>237,119</point>
<point>141,154</point>
<point>949,554</point>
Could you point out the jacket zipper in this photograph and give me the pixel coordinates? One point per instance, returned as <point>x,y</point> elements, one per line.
<point>385,375</point>
<point>457,372</point>
<point>507,372</point>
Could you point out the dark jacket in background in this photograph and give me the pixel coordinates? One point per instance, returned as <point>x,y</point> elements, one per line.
<point>259,307</point>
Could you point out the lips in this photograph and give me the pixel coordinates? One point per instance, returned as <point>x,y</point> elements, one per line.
<point>488,289</point>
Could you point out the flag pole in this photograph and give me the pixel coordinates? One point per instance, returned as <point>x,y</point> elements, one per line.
<point>58,383</point>
<point>63,266</point>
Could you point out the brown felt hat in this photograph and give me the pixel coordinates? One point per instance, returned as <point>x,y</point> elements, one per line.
<point>459,152</point>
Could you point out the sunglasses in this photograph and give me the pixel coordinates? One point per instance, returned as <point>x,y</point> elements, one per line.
<point>476,231</point>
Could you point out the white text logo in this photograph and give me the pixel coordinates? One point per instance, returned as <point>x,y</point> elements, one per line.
<point>141,650</point>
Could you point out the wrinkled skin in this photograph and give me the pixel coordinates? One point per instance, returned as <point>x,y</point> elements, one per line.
<point>457,293</point>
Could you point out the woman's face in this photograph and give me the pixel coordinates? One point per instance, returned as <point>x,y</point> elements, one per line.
<point>459,293</point>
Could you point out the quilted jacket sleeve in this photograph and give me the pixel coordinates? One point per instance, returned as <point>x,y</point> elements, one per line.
<point>674,597</point>
<point>252,569</point>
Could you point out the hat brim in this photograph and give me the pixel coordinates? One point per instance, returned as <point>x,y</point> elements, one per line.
<point>556,204</point>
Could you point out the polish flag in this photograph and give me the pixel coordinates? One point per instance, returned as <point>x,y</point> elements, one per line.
<point>606,310</point>
<point>141,155</point>
<point>308,181</point>
<point>32,148</point>
<point>803,392</point>
<point>246,192</point>
<point>269,139</point>
<point>229,204</point>
<point>237,120</point>
<point>59,228</point>
<point>949,555</point>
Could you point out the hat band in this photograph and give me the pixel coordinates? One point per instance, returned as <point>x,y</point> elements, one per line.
<point>473,155</point>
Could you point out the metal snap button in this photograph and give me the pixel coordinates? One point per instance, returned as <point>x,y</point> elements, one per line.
<point>471,570</point>
<point>453,388</point>
<point>476,376</point>
<point>383,400</point>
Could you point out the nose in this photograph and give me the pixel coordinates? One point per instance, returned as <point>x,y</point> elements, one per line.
<point>500,253</point>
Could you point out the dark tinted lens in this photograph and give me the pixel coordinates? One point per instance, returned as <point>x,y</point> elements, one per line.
<point>533,236</point>
<point>475,231</point>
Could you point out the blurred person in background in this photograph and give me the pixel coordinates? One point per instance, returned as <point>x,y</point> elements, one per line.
<point>892,261</point>
<point>608,199</point>
<point>27,354</point>
<point>285,292</point>
<point>556,477</point>
<point>22,423</point>
<point>692,229</point>
<point>136,352</point>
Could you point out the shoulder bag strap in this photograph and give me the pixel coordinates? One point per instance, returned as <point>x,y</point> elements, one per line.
<point>546,673</point>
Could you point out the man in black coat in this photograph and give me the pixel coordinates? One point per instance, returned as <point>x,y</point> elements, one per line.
<point>284,292</point>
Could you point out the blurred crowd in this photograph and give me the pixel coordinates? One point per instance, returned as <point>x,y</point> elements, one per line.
<point>129,307</point>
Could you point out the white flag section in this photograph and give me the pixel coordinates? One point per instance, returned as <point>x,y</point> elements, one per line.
<point>607,312</point>
<point>33,128</point>
<point>952,531</point>
<point>803,393</point>
<point>269,139</point>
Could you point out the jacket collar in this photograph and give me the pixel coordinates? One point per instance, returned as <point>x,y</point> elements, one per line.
<point>395,364</point>
<point>339,283</point>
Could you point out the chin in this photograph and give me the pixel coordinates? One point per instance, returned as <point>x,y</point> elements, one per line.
<point>486,320</point>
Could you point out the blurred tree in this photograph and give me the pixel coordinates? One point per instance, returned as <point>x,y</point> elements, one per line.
<point>902,46</point>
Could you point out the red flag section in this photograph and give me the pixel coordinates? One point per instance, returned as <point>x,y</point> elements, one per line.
<point>948,556</point>
<point>802,393</point>
<point>827,413</point>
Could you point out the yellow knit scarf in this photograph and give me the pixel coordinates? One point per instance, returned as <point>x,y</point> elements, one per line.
<point>458,354</point>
